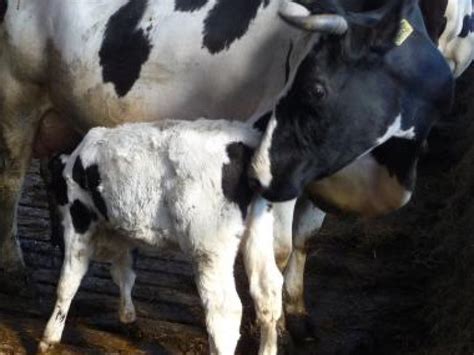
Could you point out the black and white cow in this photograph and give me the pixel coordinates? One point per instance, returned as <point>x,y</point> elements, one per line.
<point>451,25</point>
<point>69,66</point>
<point>175,183</point>
<point>382,180</point>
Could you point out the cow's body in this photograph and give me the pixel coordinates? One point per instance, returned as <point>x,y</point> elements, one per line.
<point>68,66</point>
<point>103,63</point>
<point>377,183</point>
<point>174,183</point>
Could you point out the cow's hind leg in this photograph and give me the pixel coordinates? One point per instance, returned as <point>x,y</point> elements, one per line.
<point>124,276</point>
<point>307,221</point>
<point>216,287</point>
<point>78,253</point>
<point>265,279</point>
<point>18,122</point>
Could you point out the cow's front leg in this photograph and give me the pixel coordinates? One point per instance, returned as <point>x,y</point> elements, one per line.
<point>18,123</point>
<point>307,222</point>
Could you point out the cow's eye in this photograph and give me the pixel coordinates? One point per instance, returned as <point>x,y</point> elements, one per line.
<point>319,91</point>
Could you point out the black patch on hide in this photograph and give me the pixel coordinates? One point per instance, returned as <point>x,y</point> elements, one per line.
<point>228,21</point>
<point>58,183</point>
<point>189,5</point>
<point>400,157</point>
<point>235,184</point>
<point>79,174</point>
<point>125,47</point>
<point>82,217</point>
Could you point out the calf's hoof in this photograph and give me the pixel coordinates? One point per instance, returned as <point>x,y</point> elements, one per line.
<point>44,347</point>
<point>128,316</point>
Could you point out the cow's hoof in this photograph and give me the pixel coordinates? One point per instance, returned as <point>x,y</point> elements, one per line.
<point>300,328</point>
<point>18,283</point>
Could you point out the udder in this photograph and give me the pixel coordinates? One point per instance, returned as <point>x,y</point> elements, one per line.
<point>54,135</point>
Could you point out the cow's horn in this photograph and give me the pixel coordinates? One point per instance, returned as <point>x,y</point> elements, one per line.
<point>298,16</point>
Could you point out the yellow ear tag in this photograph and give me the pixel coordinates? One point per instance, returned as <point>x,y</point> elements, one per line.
<point>405,31</point>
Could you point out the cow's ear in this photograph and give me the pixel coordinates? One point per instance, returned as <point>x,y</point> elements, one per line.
<point>387,30</point>
<point>382,26</point>
<point>391,29</point>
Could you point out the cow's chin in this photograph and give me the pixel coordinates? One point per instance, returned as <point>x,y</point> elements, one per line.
<point>280,192</point>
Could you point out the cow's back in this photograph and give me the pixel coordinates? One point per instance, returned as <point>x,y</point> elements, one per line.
<point>105,62</point>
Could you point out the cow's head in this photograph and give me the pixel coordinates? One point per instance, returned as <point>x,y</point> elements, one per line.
<point>346,99</point>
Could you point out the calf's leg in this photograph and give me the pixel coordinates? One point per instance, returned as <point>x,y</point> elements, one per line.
<point>216,287</point>
<point>77,256</point>
<point>124,276</point>
<point>265,279</point>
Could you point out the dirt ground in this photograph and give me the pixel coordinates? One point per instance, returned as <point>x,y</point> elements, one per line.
<point>403,284</point>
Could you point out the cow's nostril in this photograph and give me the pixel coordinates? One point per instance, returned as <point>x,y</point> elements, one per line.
<point>255,184</point>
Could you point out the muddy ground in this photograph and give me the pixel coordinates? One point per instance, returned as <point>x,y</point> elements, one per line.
<point>403,284</point>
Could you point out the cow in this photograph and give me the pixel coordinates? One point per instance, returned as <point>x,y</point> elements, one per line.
<point>169,183</point>
<point>66,67</point>
<point>378,182</point>
<point>451,25</point>
<point>116,61</point>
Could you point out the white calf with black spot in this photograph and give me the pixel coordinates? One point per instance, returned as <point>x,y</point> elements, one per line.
<point>174,182</point>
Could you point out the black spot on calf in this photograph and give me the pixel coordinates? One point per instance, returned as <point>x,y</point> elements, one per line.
<point>125,47</point>
<point>3,9</point>
<point>58,183</point>
<point>228,21</point>
<point>189,5</point>
<point>234,176</point>
<point>93,182</point>
<point>79,174</point>
<point>81,216</point>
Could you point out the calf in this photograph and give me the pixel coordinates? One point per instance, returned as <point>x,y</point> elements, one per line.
<point>170,183</point>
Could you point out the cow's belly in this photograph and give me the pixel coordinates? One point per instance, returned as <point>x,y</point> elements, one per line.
<point>176,79</point>
<point>364,188</point>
